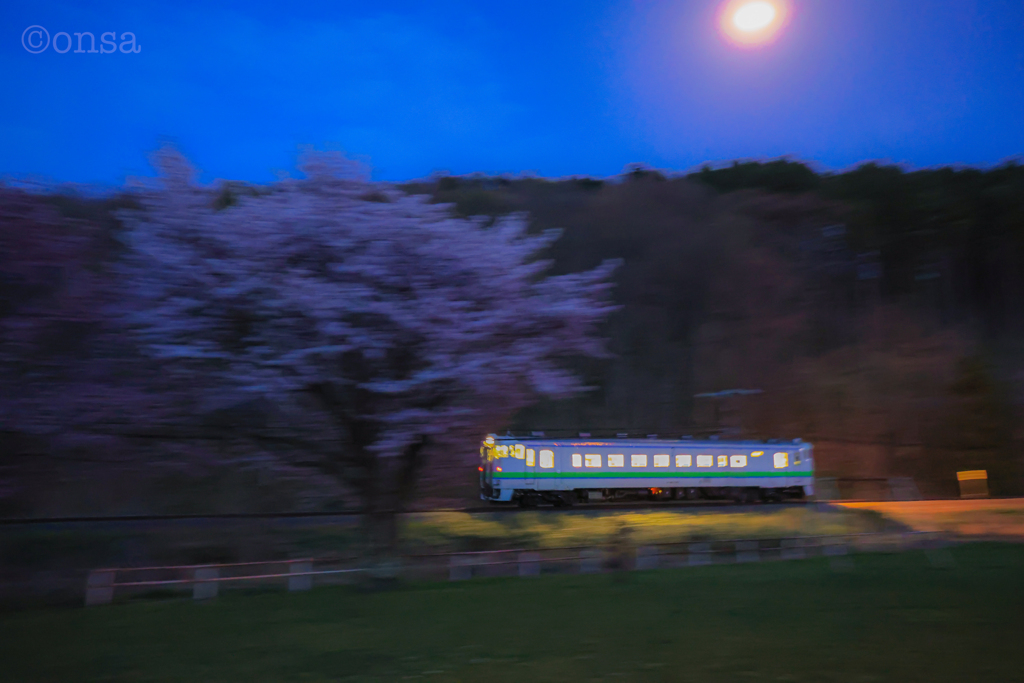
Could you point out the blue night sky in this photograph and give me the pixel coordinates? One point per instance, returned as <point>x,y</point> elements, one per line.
<point>555,88</point>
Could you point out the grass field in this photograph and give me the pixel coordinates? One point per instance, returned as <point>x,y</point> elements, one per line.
<point>899,618</point>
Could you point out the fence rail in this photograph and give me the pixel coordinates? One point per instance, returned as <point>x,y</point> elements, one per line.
<point>205,579</point>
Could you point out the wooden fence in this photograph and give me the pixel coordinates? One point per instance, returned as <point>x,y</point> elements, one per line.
<point>299,574</point>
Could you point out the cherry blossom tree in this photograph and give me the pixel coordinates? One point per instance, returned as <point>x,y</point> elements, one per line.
<point>383,329</point>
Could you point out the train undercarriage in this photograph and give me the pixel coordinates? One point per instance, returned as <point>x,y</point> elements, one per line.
<point>748,495</point>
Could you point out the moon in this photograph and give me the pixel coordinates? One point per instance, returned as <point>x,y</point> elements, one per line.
<point>752,23</point>
<point>754,16</point>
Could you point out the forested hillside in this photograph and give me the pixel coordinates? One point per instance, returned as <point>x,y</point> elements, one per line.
<point>877,310</point>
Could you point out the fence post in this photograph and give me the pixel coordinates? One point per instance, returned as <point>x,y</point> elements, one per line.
<point>204,588</point>
<point>99,587</point>
<point>529,564</point>
<point>833,548</point>
<point>699,554</point>
<point>747,551</point>
<point>459,568</point>
<point>793,549</point>
<point>590,561</point>
<point>937,550</point>
<point>837,551</point>
<point>646,557</point>
<point>300,583</point>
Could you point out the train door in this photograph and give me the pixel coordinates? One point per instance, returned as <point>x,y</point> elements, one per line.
<point>486,469</point>
<point>530,468</point>
<point>557,483</point>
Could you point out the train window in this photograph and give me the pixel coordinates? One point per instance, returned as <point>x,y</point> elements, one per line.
<point>684,460</point>
<point>738,461</point>
<point>796,458</point>
<point>577,460</point>
<point>502,451</point>
<point>547,459</point>
<point>592,460</point>
<point>781,460</point>
<point>723,461</point>
<point>638,460</point>
<point>517,451</point>
<point>529,457</point>
<point>661,460</point>
<point>616,460</point>
<point>756,454</point>
<point>705,460</point>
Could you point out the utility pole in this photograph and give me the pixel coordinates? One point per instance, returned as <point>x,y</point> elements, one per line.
<point>718,396</point>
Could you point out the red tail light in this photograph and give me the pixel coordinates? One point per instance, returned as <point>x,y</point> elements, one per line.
<point>481,468</point>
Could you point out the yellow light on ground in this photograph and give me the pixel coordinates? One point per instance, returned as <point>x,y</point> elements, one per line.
<point>751,23</point>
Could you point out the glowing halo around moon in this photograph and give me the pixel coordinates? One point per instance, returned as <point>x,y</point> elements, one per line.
<point>753,23</point>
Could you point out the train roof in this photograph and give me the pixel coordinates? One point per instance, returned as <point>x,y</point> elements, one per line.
<point>634,442</point>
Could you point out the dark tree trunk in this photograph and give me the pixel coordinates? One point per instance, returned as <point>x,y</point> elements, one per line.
<point>389,486</point>
<point>385,485</point>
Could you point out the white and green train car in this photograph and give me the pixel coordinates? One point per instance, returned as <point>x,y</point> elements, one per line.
<point>566,471</point>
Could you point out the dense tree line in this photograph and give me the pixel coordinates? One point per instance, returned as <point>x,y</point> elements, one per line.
<point>950,238</point>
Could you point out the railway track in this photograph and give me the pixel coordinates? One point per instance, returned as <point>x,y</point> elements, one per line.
<point>508,508</point>
<point>950,504</point>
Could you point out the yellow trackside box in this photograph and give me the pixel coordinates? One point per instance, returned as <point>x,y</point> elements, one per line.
<point>973,483</point>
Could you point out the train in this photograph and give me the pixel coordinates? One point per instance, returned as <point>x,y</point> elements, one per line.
<point>563,472</point>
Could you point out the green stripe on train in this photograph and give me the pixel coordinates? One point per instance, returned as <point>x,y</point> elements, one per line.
<point>649,475</point>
